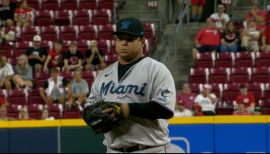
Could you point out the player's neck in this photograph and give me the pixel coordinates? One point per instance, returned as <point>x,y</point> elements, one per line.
<point>124,62</point>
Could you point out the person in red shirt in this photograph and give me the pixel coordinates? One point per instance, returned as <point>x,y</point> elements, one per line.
<point>54,58</point>
<point>245,98</point>
<point>241,110</point>
<point>22,15</point>
<point>256,14</point>
<point>197,9</point>
<point>186,97</point>
<point>207,40</point>
<point>2,101</point>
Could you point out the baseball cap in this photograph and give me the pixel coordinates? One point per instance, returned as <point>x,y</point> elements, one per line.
<point>131,26</point>
<point>37,38</point>
<point>207,86</point>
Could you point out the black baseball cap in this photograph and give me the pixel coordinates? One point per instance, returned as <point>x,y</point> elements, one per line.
<point>131,26</point>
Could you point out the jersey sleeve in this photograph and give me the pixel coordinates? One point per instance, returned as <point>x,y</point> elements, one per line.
<point>95,88</point>
<point>164,91</point>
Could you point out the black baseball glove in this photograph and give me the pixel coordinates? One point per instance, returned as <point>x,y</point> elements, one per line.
<point>102,116</point>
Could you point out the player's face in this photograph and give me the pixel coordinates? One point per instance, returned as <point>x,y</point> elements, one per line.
<point>129,48</point>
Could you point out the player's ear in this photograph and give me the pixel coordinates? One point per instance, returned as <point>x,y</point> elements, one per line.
<point>143,41</point>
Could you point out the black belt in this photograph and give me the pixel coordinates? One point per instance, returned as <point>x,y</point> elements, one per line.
<point>132,149</point>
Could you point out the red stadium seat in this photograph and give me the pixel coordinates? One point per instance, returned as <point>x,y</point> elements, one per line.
<point>225,60</point>
<point>219,75</point>
<point>205,60</point>
<point>68,4</point>
<point>260,74</point>
<point>105,32</point>
<point>83,46</point>
<point>230,92</point>
<point>198,75</point>
<point>40,78</point>
<point>34,4</point>
<point>109,59</point>
<point>217,89</point>
<point>13,111</point>
<point>20,48</point>
<point>50,33</point>
<point>88,32</point>
<point>63,17</point>
<point>72,114</point>
<point>34,111</point>
<point>104,45</point>
<point>105,4</point>
<point>67,75</point>
<point>224,111</point>
<point>82,17</point>
<point>262,59</point>
<point>50,5</point>
<point>150,32</point>
<point>34,97</point>
<point>88,4</point>
<point>17,96</point>
<point>54,110</point>
<point>240,75</point>
<point>28,33</point>
<point>44,18</point>
<point>102,17</point>
<point>195,88</point>
<point>69,33</point>
<point>244,59</point>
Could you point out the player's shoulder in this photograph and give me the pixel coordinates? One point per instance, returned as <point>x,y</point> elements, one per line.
<point>109,69</point>
<point>154,64</point>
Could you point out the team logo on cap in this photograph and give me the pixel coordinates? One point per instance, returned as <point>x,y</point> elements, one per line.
<point>125,24</point>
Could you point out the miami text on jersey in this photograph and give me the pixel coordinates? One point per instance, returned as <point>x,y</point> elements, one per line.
<point>112,88</point>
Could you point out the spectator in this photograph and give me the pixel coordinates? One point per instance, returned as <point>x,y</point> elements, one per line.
<point>78,90</point>
<point>266,38</point>
<point>6,73</point>
<point>94,58</point>
<point>22,14</point>
<point>72,58</point>
<point>182,111</point>
<point>220,17</point>
<point>207,40</point>
<point>186,97</point>
<point>230,39</point>
<point>198,110</point>
<point>207,100</point>
<point>2,100</point>
<point>7,10</point>
<point>36,54</point>
<point>245,98</point>
<point>54,58</point>
<point>257,15</point>
<point>23,113</point>
<point>45,115</point>
<point>23,73</point>
<point>3,113</point>
<point>2,37</point>
<point>54,88</point>
<point>241,110</point>
<point>250,38</point>
<point>197,9</point>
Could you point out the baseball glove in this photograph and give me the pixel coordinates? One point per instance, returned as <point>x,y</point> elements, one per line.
<point>102,116</point>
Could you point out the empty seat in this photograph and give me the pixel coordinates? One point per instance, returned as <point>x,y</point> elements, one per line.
<point>219,75</point>
<point>68,5</point>
<point>34,97</point>
<point>50,5</point>
<point>49,33</point>
<point>225,60</point>
<point>69,32</point>
<point>40,78</point>
<point>230,92</point>
<point>102,17</point>
<point>88,4</point>
<point>106,4</point>
<point>63,17</point>
<point>17,96</point>
<point>240,75</point>
<point>54,110</point>
<point>205,60</point>
<point>244,59</point>
<point>13,111</point>
<point>195,88</point>
<point>71,114</point>
<point>82,17</point>
<point>150,32</point>
<point>44,18</point>
<point>109,59</point>
<point>67,75</point>
<point>105,32</point>
<point>34,111</point>
<point>257,90</point>
<point>224,111</point>
<point>217,89</point>
<point>198,75</point>
<point>105,46</point>
<point>28,33</point>
<point>262,59</point>
<point>88,32</point>
<point>20,48</point>
<point>260,74</point>
<point>34,4</point>
<point>83,46</point>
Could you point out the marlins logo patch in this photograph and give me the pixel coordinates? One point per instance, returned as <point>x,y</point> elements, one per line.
<point>125,25</point>
<point>165,95</point>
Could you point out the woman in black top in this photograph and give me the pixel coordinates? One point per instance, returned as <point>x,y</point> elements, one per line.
<point>230,39</point>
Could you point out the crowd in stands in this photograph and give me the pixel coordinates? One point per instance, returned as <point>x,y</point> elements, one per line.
<point>226,38</point>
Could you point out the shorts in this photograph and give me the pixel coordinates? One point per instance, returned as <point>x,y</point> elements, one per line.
<point>207,48</point>
<point>198,2</point>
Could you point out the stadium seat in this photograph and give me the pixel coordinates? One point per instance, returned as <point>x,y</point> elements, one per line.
<point>205,60</point>
<point>224,111</point>
<point>257,90</point>
<point>34,97</point>
<point>69,33</point>
<point>102,17</point>
<point>54,110</point>
<point>67,75</point>
<point>82,17</point>
<point>17,96</point>
<point>260,74</point>
<point>150,32</point>
<point>13,111</point>
<point>44,18</point>
<point>20,48</point>
<point>198,75</point>
<point>240,75</point>
<point>50,33</point>
<point>195,88</point>
<point>34,111</point>
<point>109,59</point>
<point>8,52</point>
<point>88,32</point>
<point>63,17</point>
<point>244,59</point>
<point>225,60</point>
<point>68,4</point>
<point>47,45</point>
<point>88,4</point>
<point>40,78</point>
<point>219,75</point>
<point>71,114</point>
<point>217,89</point>
<point>106,4</point>
<point>50,5</point>
<point>262,59</point>
<point>105,32</point>
<point>83,46</point>
<point>13,61</point>
<point>28,33</point>
<point>105,46</point>
<point>34,4</point>
<point>230,92</point>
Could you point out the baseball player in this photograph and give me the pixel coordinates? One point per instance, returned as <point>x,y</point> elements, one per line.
<point>144,89</point>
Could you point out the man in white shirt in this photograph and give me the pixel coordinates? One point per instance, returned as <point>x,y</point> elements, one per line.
<point>207,100</point>
<point>182,111</point>
<point>220,17</point>
<point>6,73</point>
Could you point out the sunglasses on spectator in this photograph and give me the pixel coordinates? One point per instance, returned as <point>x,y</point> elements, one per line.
<point>126,38</point>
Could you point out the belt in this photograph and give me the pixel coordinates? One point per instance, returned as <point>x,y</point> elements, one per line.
<point>132,149</point>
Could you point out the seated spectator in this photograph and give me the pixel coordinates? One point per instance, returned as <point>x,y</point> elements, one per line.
<point>23,113</point>
<point>7,9</point>
<point>182,111</point>
<point>54,58</point>
<point>257,111</point>
<point>230,39</point>
<point>54,88</point>
<point>36,54</point>
<point>197,9</point>
<point>220,17</point>
<point>207,40</point>
<point>207,100</point>
<point>186,96</point>
<point>22,16</point>
<point>72,58</point>
<point>23,73</point>
<point>45,115</point>
<point>79,90</point>
<point>94,58</point>
<point>6,73</point>
<point>241,110</point>
<point>257,15</point>
<point>2,37</point>
<point>246,98</point>
<point>250,38</point>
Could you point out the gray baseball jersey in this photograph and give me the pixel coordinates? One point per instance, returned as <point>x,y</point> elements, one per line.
<point>148,80</point>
